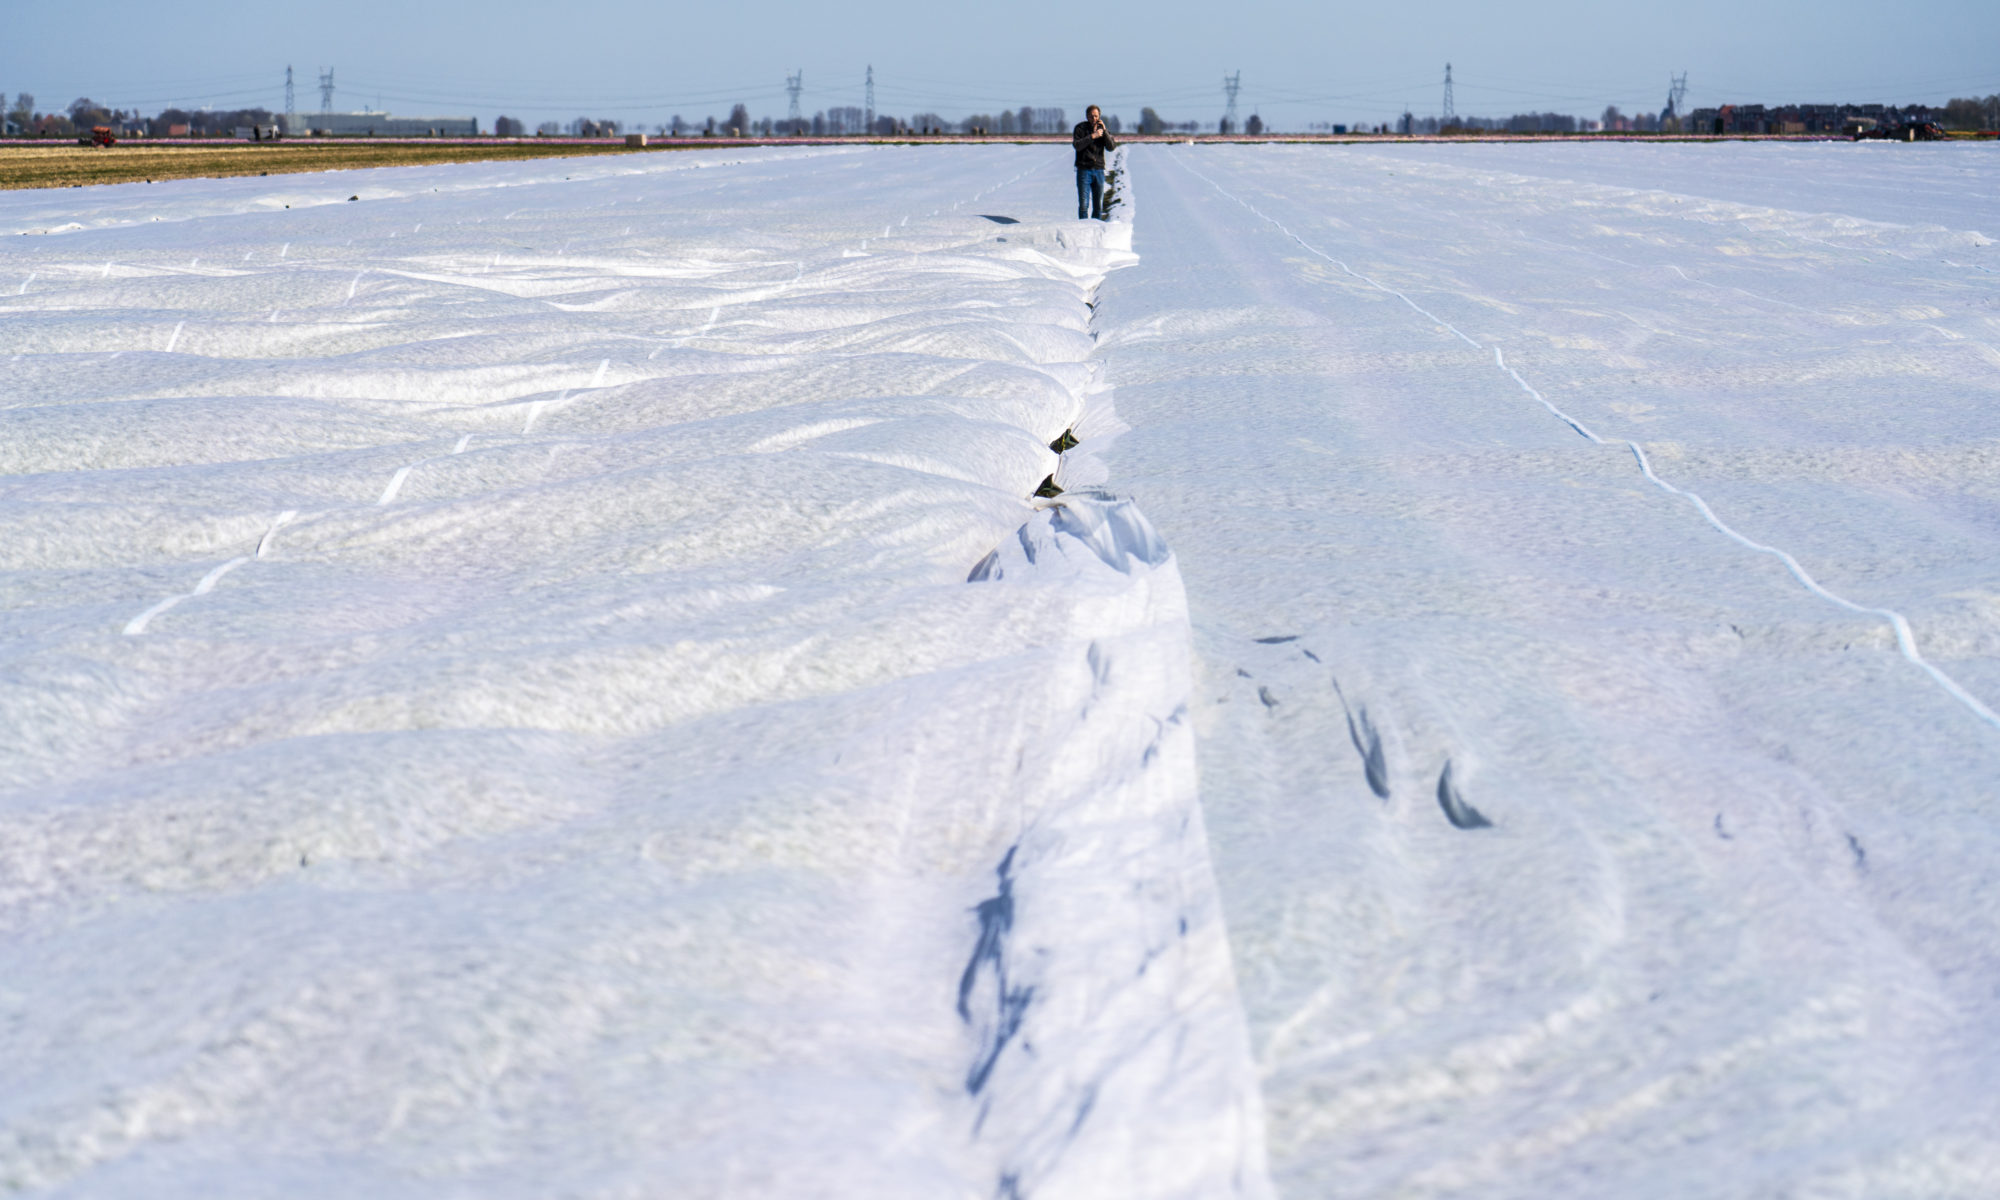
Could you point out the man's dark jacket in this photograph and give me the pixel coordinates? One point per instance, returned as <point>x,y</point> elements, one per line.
<point>1090,150</point>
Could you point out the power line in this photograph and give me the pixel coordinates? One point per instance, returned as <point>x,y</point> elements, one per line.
<point>510,99</point>
<point>207,96</point>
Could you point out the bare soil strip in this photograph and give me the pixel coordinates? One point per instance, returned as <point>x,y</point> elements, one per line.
<point>48,166</point>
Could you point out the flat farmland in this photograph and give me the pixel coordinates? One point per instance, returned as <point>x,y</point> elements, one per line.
<point>65,164</point>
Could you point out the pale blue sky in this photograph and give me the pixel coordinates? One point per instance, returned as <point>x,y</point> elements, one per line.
<point>643,62</point>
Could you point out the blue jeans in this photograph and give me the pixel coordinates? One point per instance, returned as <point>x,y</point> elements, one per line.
<point>1089,193</point>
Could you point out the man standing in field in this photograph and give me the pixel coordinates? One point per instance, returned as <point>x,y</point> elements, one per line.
<point>1091,142</point>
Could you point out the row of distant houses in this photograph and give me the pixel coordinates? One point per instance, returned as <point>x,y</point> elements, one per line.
<point>1804,118</point>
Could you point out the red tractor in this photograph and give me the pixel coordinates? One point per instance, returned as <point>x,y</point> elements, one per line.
<point>101,135</point>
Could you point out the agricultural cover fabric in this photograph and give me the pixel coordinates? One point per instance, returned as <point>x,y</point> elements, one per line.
<point>496,705</point>
<point>1593,556</point>
<point>1589,563</point>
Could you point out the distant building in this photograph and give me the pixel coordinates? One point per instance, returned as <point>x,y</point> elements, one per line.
<point>381,124</point>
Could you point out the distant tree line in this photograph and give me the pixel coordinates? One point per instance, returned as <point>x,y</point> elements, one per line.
<point>1151,123</point>
<point>850,121</point>
<point>84,114</point>
<point>24,120</point>
<point>1544,122</point>
<point>1614,121</point>
<point>1026,119</point>
<point>1972,113</point>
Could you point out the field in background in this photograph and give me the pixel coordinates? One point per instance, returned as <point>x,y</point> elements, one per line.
<point>44,164</point>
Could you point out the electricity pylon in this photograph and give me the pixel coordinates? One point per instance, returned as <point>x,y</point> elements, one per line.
<point>326,90</point>
<point>1449,111</point>
<point>291,107</point>
<point>869,115</point>
<point>1231,84</point>
<point>794,84</point>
